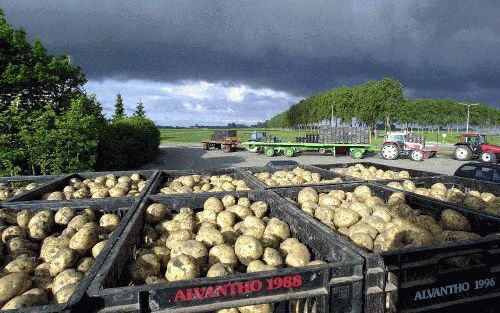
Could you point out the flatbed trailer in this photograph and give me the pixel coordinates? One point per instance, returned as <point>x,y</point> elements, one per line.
<point>289,149</point>
<point>226,145</point>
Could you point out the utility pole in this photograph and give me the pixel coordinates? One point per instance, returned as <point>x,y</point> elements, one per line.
<point>331,121</point>
<point>468,113</point>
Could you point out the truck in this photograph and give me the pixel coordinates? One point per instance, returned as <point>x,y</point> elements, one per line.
<point>473,146</point>
<point>352,140</point>
<point>226,140</point>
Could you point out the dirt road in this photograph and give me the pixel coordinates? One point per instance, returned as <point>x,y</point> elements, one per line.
<point>191,156</point>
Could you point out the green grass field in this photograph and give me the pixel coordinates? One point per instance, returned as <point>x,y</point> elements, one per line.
<point>198,135</point>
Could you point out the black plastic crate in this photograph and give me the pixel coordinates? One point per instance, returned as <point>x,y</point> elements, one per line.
<point>21,181</point>
<point>397,280</point>
<point>325,174</point>
<point>79,301</point>
<point>60,182</point>
<point>343,273</point>
<point>168,176</point>
<point>464,184</point>
<point>413,173</point>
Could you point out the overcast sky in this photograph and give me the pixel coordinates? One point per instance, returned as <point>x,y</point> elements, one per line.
<point>214,62</point>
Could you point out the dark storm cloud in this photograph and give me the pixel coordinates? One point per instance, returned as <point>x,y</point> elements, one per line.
<point>436,48</point>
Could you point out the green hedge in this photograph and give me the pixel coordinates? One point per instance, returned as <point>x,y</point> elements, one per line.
<point>128,143</point>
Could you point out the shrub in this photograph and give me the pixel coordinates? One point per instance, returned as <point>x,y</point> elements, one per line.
<point>128,143</point>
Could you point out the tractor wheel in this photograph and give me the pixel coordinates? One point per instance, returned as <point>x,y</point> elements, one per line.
<point>463,153</point>
<point>226,148</point>
<point>417,155</point>
<point>206,146</point>
<point>269,151</point>
<point>390,151</point>
<point>289,152</point>
<point>322,151</point>
<point>487,157</point>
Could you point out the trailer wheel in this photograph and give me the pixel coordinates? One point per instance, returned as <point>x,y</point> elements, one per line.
<point>487,156</point>
<point>463,153</point>
<point>269,151</point>
<point>417,155</point>
<point>356,153</point>
<point>226,148</point>
<point>390,151</point>
<point>322,151</point>
<point>289,152</point>
<point>253,149</point>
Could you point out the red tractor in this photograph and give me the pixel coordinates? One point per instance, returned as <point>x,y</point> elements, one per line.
<point>405,144</point>
<point>476,146</point>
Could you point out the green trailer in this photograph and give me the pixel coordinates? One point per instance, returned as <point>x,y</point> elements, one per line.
<point>289,149</point>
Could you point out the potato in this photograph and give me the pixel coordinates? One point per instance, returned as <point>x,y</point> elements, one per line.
<point>362,209</point>
<point>363,240</point>
<point>324,214</point>
<point>84,264</point>
<point>307,194</point>
<point>64,259</point>
<point>248,248</point>
<point>97,248</point>
<point>206,216</point>
<point>156,212</point>
<point>240,210</point>
<point>258,266</point>
<point>23,218</point>
<point>220,269</point>
<point>210,236</point>
<point>182,267</point>
<point>253,226</point>
<point>213,204</point>
<point>24,301</point>
<point>222,253</point>
<point>259,208</point>
<point>78,221</point>
<point>13,231</point>
<point>42,269</point>
<point>362,193</point>
<point>228,200</point>
<point>66,277</point>
<point>178,236</point>
<point>109,222</point>
<point>298,256</point>
<point>193,248</point>
<point>84,239</point>
<point>452,220</point>
<point>277,228</point>
<point>64,215</point>
<point>345,218</point>
<point>64,294</point>
<point>287,245</point>
<point>144,266</point>
<point>21,264</point>
<point>257,308</point>
<point>226,219</point>
<point>272,257</point>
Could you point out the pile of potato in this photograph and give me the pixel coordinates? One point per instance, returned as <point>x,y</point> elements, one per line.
<point>100,187</point>
<point>379,226</point>
<point>297,176</point>
<point>197,183</point>
<point>370,173</point>
<point>228,236</point>
<point>8,191</point>
<point>45,255</point>
<point>486,202</point>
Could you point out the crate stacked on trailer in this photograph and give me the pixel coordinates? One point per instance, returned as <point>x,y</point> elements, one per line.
<point>14,186</point>
<point>243,272</point>
<point>410,270</point>
<point>226,140</point>
<point>353,140</point>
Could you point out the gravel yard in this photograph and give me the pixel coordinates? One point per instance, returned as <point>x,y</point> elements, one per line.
<point>191,156</point>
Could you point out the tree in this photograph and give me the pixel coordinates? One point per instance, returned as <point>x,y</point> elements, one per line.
<point>33,77</point>
<point>139,110</point>
<point>119,108</point>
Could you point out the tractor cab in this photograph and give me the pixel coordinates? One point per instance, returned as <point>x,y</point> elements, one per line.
<point>473,139</point>
<point>398,138</point>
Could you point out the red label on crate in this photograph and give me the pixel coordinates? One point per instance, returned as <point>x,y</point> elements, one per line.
<point>197,292</point>
<point>238,288</point>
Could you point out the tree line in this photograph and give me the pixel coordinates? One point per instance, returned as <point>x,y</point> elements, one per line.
<point>50,124</point>
<point>382,101</point>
